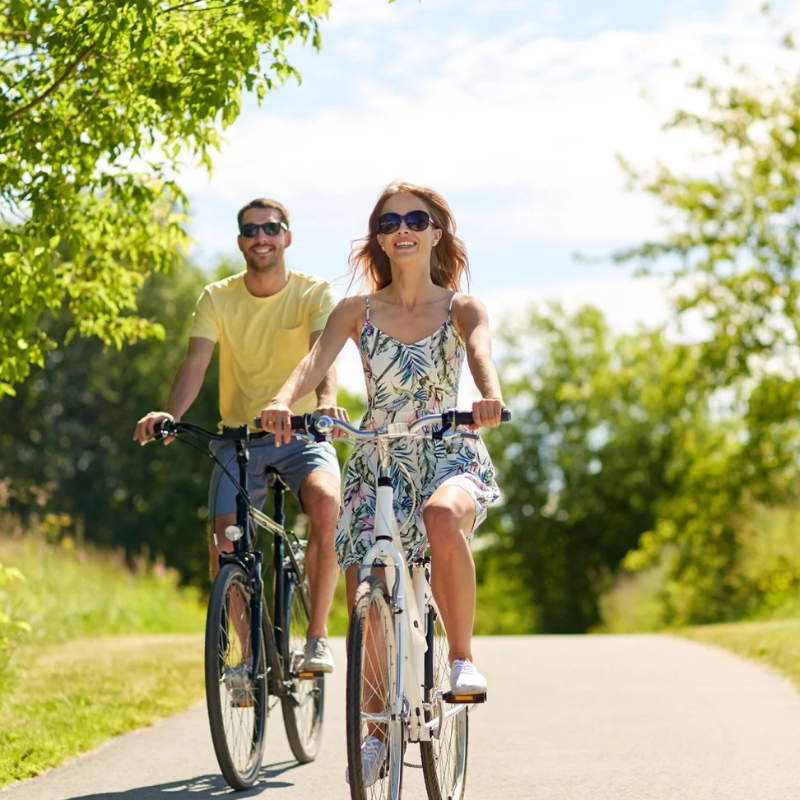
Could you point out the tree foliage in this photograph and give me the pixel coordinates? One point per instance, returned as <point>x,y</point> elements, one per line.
<point>100,104</point>
<point>734,224</point>
<point>68,429</point>
<point>733,229</point>
<point>622,457</point>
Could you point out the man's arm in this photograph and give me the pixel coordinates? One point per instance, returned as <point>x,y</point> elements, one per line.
<point>185,388</point>
<point>328,387</point>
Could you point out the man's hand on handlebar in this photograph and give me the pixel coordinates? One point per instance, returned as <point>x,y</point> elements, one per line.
<point>277,418</point>
<point>145,428</point>
<point>336,412</point>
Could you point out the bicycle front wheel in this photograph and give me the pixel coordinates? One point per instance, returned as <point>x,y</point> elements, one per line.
<point>237,701</point>
<point>444,758</point>
<point>374,733</point>
<point>303,707</point>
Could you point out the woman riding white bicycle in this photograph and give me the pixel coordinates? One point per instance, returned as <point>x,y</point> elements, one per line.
<point>413,330</point>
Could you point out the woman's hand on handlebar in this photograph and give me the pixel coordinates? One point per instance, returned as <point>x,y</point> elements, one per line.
<point>336,412</point>
<point>486,413</point>
<point>277,418</point>
<point>145,427</point>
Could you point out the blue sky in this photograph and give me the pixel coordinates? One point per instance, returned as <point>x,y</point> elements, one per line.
<point>513,109</point>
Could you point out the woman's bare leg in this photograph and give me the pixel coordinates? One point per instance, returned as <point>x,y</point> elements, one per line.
<point>449,516</point>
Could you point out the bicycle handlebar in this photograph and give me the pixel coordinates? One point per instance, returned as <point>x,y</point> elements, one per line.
<point>317,426</point>
<point>321,426</point>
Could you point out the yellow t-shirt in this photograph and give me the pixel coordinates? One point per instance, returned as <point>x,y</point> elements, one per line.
<point>261,339</point>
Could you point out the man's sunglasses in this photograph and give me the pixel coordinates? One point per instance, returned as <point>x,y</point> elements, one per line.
<point>250,229</point>
<point>415,220</point>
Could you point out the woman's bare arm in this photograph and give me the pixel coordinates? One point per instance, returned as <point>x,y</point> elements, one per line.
<point>472,322</point>
<point>310,372</point>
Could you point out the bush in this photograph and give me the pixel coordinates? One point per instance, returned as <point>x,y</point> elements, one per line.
<point>75,590</point>
<point>765,579</point>
<point>12,627</point>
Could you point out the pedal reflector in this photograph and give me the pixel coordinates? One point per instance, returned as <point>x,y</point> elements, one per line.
<point>449,697</point>
<point>309,675</point>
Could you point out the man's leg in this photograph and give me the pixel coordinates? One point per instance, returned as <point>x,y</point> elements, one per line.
<point>319,494</point>
<point>221,545</point>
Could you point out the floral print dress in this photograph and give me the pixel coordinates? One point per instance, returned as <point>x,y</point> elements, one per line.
<point>405,382</point>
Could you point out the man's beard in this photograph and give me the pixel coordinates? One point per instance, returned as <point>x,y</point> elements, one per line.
<point>253,263</point>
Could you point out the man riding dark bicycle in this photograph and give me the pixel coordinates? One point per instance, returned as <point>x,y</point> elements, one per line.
<point>266,319</point>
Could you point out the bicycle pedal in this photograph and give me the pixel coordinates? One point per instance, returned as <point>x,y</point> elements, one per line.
<point>471,698</point>
<point>310,674</point>
<point>243,704</point>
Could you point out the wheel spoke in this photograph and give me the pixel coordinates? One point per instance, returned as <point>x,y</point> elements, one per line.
<point>237,703</point>
<point>444,757</point>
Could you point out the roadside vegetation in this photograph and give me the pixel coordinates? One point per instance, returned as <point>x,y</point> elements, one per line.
<point>774,644</point>
<point>89,647</point>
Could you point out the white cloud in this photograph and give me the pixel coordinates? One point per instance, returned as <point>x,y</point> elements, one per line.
<point>355,12</point>
<point>356,50</point>
<point>531,123</point>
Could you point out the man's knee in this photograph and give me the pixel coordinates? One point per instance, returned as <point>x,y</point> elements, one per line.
<point>320,495</point>
<point>217,541</point>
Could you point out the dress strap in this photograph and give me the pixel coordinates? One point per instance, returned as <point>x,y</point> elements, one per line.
<point>450,309</point>
<point>366,298</point>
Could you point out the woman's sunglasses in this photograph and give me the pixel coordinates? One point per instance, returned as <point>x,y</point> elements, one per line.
<point>415,220</point>
<point>250,229</point>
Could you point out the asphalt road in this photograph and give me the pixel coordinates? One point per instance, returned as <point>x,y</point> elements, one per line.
<point>572,718</point>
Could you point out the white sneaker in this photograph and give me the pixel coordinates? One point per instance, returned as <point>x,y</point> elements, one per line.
<point>465,678</point>
<point>318,656</point>
<point>373,753</point>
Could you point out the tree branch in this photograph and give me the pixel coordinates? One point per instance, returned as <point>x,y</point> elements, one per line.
<point>42,97</point>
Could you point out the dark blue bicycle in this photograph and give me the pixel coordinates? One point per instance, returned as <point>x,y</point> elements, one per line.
<point>253,650</point>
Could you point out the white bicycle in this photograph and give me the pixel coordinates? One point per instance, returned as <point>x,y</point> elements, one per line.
<point>398,672</point>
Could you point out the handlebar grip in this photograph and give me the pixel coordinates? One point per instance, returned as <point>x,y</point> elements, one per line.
<point>298,422</point>
<point>465,417</point>
<point>164,428</point>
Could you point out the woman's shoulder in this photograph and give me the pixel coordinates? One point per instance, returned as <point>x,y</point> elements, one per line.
<point>351,310</point>
<point>468,313</point>
<point>467,303</point>
<point>354,303</point>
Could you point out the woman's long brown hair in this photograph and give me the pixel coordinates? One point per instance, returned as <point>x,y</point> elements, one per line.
<point>449,259</point>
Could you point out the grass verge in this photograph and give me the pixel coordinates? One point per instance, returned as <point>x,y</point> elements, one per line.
<point>776,644</point>
<point>68,698</point>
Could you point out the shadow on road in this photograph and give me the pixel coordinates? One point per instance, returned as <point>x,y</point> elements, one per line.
<point>204,786</point>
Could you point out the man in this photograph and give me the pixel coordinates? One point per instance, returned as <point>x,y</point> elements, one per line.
<point>265,320</point>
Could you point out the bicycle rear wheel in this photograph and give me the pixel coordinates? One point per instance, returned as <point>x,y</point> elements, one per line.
<point>303,708</point>
<point>372,690</point>
<point>237,703</point>
<point>444,758</point>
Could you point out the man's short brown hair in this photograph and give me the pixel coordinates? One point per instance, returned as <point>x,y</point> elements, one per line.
<point>262,202</point>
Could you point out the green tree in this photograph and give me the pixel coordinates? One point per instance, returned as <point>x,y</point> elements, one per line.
<point>731,244</point>
<point>619,455</point>
<point>70,426</point>
<point>100,105</point>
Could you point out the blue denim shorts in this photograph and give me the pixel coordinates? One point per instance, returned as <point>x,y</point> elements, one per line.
<point>293,461</point>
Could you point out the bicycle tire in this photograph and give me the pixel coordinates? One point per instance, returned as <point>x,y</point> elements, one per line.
<point>372,677</point>
<point>444,759</point>
<point>237,705</point>
<point>303,709</point>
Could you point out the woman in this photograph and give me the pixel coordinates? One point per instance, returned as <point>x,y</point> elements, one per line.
<point>413,331</point>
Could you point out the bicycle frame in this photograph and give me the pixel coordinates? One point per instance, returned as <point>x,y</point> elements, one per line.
<point>251,560</point>
<point>410,619</point>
